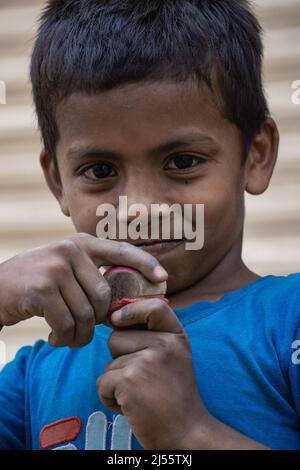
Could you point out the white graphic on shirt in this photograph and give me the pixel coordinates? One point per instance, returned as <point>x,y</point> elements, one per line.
<point>96,433</point>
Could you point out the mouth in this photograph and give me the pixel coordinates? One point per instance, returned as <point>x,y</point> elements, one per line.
<point>159,246</point>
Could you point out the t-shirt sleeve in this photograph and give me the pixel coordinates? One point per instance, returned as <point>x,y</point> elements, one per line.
<point>12,402</point>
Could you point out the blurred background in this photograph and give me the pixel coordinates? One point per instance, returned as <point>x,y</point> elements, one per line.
<point>30,216</point>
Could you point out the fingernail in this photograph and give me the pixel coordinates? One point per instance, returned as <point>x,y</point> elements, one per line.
<point>160,272</point>
<point>116,316</point>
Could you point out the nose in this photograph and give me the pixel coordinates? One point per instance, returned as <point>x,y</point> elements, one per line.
<point>142,188</point>
<point>135,202</point>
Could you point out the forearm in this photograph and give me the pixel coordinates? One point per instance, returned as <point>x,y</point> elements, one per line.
<point>215,435</point>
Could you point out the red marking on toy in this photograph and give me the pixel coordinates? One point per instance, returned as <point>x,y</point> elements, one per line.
<point>121,269</point>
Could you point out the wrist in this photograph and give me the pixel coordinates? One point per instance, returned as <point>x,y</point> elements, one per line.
<point>208,433</point>
<point>200,434</point>
<point>191,434</point>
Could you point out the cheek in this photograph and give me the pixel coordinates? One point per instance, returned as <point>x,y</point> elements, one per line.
<point>83,212</point>
<point>223,210</point>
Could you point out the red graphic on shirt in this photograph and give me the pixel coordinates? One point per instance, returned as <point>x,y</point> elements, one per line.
<point>60,431</point>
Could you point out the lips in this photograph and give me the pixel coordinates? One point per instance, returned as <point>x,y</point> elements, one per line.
<point>159,246</point>
<point>155,242</point>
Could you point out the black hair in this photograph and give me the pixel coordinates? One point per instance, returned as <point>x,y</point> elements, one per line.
<point>96,45</point>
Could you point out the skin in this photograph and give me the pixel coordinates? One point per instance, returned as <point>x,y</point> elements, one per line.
<point>128,122</point>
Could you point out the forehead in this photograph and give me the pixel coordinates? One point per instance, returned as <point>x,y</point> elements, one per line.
<point>139,112</point>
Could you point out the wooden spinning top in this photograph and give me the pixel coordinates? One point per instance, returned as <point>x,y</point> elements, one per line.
<point>129,285</point>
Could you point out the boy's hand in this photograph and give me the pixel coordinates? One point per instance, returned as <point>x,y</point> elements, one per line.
<point>151,378</point>
<point>62,283</point>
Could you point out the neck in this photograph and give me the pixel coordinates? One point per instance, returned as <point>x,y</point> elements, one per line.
<point>229,274</point>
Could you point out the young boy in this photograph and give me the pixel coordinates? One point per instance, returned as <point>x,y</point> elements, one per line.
<point>162,102</point>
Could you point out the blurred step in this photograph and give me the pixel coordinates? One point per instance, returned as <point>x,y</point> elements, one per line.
<point>282,54</point>
<point>278,256</point>
<point>277,14</point>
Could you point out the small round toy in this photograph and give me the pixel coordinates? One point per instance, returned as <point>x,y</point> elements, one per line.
<point>128,285</point>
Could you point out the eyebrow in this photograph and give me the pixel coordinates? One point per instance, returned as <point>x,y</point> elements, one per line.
<point>79,151</point>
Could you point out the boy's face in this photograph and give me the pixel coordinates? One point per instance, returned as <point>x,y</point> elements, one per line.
<point>108,147</point>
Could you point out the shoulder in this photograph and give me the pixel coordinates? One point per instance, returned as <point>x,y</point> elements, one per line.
<point>286,282</point>
<point>273,310</point>
<point>278,302</point>
<point>282,291</point>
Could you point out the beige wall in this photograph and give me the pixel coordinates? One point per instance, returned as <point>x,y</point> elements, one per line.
<point>29,215</point>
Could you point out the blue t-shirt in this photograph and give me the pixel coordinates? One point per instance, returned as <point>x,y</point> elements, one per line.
<point>245,357</point>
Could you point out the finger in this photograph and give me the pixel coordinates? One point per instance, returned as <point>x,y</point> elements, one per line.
<point>106,387</point>
<point>111,252</point>
<point>155,313</point>
<point>127,342</point>
<point>81,310</point>
<point>60,320</point>
<point>93,284</point>
<point>122,361</point>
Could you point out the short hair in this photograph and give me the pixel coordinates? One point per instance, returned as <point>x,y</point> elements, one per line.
<point>95,45</point>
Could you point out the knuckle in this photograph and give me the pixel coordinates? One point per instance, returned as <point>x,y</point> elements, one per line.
<point>66,247</point>
<point>168,345</point>
<point>81,240</point>
<point>28,304</point>
<point>102,293</point>
<point>130,374</point>
<point>82,236</point>
<point>149,356</point>
<point>182,343</point>
<point>67,327</point>
<point>85,314</point>
<point>29,294</point>
<point>158,305</point>
<point>39,289</point>
<point>183,339</point>
<point>59,268</point>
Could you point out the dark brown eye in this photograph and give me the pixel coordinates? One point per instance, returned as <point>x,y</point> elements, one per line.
<point>98,171</point>
<point>184,162</point>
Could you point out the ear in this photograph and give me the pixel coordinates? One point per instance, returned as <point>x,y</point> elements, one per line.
<point>52,176</point>
<point>262,158</point>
